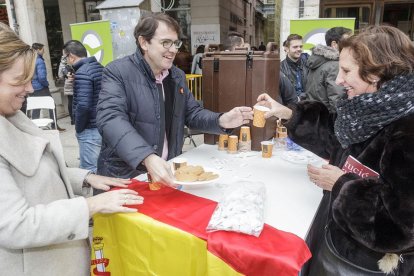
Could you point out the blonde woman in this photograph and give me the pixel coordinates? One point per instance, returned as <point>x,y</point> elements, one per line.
<point>43,224</point>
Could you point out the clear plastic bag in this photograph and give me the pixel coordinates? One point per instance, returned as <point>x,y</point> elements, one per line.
<point>290,145</point>
<point>242,210</point>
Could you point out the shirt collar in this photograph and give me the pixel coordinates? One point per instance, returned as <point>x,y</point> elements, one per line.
<point>161,76</point>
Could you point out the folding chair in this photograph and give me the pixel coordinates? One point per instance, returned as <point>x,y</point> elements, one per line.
<point>188,133</point>
<point>45,102</point>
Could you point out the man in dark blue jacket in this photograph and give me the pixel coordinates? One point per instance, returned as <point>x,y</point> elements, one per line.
<point>145,103</point>
<point>86,88</point>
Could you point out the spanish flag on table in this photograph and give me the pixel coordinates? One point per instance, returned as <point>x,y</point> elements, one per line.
<point>168,237</point>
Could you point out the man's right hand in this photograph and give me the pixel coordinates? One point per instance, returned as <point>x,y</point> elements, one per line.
<point>159,170</point>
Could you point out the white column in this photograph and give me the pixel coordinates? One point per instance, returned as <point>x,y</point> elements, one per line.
<point>31,26</point>
<point>31,20</point>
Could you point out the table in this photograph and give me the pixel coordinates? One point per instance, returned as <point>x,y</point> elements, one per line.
<point>162,239</point>
<point>292,200</point>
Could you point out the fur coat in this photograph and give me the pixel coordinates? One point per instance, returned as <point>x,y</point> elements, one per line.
<point>43,226</point>
<point>368,216</point>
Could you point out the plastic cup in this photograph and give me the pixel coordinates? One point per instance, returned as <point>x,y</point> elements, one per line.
<point>223,141</point>
<point>245,134</point>
<point>178,163</point>
<point>153,186</point>
<point>232,144</point>
<point>258,115</point>
<point>267,149</point>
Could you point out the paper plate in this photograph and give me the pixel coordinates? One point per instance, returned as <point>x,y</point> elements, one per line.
<point>197,183</point>
<point>302,157</point>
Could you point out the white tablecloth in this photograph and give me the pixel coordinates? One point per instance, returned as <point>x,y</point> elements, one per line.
<point>291,199</point>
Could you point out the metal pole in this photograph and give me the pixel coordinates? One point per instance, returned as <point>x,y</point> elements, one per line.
<point>301,8</point>
<point>14,17</point>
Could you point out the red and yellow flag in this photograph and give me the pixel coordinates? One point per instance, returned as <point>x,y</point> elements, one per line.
<point>168,237</point>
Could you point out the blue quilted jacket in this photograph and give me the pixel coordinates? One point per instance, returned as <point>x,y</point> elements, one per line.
<point>39,80</point>
<point>87,85</point>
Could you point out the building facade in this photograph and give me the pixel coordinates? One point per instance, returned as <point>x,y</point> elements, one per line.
<point>397,13</point>
<point>202,21</point>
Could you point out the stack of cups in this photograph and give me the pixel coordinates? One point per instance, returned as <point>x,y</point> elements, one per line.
<point>232,144</point>
<point>281,135</point>
<point>223,142</point>
<point>245,142</point>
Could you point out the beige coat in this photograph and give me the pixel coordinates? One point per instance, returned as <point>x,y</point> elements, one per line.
<point>43,226</point>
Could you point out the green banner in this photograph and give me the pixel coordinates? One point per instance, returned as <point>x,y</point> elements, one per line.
<point>313,30</point>
<point>96,37</point>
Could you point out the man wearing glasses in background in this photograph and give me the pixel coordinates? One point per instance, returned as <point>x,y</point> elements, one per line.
<point>145,103</point>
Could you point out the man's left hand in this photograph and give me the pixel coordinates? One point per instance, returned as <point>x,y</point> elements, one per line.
<point>236,117</point>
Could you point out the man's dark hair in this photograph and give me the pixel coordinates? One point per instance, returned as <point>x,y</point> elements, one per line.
<point>335,34</point>
<point>149,24</point>
<point>76,48</point>
<point>200,49</point>
<point>37,46</point>
<point>290,38</point>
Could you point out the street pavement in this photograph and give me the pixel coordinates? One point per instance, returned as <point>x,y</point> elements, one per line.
<point>71,147</point>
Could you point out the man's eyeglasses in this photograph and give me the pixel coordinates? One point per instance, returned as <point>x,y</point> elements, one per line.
<point>167,43</point>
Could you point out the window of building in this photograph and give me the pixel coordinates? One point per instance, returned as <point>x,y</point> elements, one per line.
<point>361,14</point>
<point>92,14</point>
<point>180,11</point>
<point>400,16</point>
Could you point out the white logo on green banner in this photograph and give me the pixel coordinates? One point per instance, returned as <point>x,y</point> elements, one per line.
<point>313,30</point>
<point>96,37</point>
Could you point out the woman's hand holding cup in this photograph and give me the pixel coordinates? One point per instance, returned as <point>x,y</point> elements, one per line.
<point>276,109</point>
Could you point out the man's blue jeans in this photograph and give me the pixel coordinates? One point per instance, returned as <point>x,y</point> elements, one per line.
<point>89,147</point>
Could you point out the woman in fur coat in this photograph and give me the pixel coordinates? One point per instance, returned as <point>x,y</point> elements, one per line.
<point>44,219</point>
<point>365,223</point>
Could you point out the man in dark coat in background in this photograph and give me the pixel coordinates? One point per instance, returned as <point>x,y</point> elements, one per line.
<point>294,65</point>
<point>323,67</point>
<point>86,88</point>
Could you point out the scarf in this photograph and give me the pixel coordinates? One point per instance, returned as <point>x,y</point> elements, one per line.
<point>363,116</point>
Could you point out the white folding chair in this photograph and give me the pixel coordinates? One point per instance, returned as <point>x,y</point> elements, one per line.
<point>45,102</point>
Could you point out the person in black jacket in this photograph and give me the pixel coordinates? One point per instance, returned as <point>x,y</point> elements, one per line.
<point>86,88</point>
<point>145,103</point>
<point>365,224</point>
<point>294,65</point>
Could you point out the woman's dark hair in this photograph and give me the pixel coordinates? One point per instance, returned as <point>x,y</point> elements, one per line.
<point>382,51</point>
<point>149,24</point>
